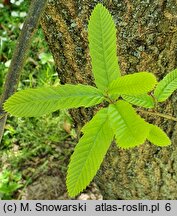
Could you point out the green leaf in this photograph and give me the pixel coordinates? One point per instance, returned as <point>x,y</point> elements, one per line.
<point>133,84</point>
<point>129,128</point>
<point>102,45</point>
<point>89,152</point>
<point>166,86</point>
<point>143,100</point>
<point>37,102</point>
<point>157,136</point>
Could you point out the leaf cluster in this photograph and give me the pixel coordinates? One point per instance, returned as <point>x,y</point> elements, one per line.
<point>118,120</point>
<point>9,183</point>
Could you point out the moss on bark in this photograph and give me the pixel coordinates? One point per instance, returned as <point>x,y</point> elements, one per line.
<point>147,41</point>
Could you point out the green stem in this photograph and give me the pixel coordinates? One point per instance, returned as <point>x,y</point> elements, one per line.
<point>158,114</point>
<point>19,56</point>
<point>109,99</point>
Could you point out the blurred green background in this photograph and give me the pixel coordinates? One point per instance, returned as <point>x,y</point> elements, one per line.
<point>28,143</point>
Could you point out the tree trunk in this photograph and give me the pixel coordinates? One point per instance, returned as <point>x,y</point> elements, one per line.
<point>147,41</point>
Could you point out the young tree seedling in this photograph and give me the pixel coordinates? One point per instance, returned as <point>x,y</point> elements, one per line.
<point>118,120</point>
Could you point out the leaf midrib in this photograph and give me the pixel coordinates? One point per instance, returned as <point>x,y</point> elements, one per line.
<point>91,149</point>
<point>166,86</point>
<point>106,70</point>
<point>53,99</point>
<point>130,129</point>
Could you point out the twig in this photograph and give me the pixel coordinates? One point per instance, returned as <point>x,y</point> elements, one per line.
<point>158,114</point>
<point>19,55</point>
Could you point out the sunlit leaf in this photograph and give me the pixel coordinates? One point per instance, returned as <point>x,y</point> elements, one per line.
<point>143,100</point>
<point>157,136</point>
<point>89,152</point>
<point>37,102</point>
<point>133,84</point>
<point>129,128</point>
<point>102,45</point>
<point>166,86</point>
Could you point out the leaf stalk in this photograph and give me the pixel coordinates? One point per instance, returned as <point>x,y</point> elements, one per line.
<point>169,117</point>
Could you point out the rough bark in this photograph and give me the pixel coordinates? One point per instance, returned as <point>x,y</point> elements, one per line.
<point>147,41</point>
<point>19,56</point>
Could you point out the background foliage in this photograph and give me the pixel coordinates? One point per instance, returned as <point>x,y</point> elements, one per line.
<point>28,144</point>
